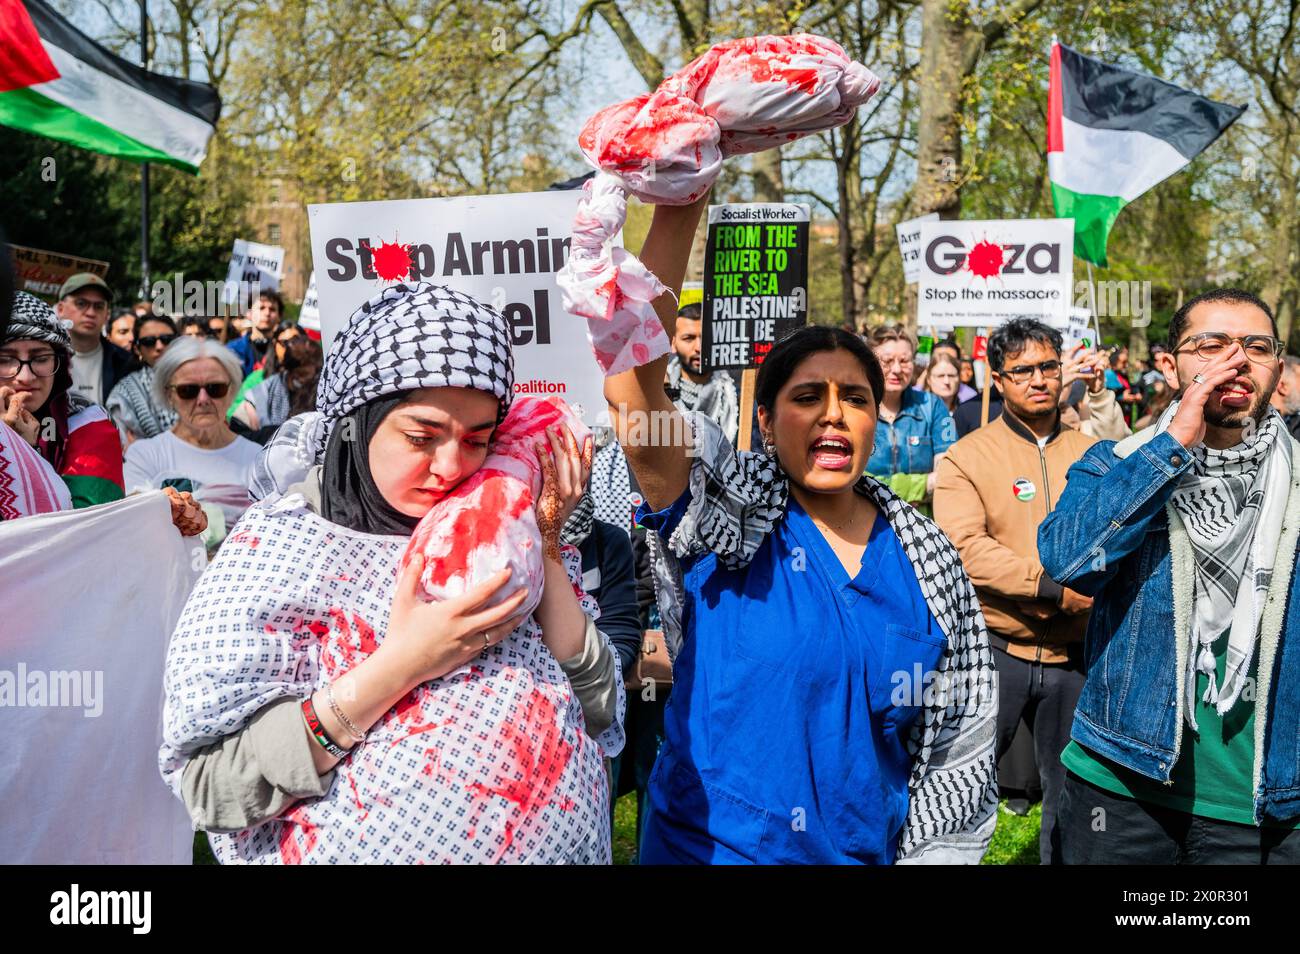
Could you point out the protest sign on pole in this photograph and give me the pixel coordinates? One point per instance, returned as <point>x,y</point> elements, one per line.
<point>755,288</point>
<point>985,272</point>
<point>252,263</point>
<point>42,272</point>
<point>755,281</point>
<point>309,313</point>
<point>81,684</point>
<point>1078,329</point>
<point>503,250</point>
<point>909,245</point>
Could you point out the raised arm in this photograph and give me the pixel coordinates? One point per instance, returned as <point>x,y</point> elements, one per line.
<point>636,398</point>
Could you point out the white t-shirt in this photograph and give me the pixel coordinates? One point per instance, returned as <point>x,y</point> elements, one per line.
<point>218,476</point>
<point>88,373</point>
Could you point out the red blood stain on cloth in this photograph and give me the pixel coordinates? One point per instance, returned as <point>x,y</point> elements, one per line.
<point>532,764</point>
<point>297,836</point>
<point>356,797</point>
<point>778,69</point>
<point>985,259</point>
<point>392,262</point>
<point>243,536</point>
<point>475,525</point>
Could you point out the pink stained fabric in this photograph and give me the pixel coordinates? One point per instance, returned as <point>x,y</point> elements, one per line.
<point>28,484</point>
<point>667,147</point>
<point>488,522</point>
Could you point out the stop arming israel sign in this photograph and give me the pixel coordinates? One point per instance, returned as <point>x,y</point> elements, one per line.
<point>986,272</point>
<point>503,250</point>
<point>755,281</point>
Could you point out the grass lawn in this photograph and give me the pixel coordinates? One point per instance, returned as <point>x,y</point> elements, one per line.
<point>1015,842</point>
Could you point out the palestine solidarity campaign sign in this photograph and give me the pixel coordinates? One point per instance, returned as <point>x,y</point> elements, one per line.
<point>755,281</point>
<point>503,250</point>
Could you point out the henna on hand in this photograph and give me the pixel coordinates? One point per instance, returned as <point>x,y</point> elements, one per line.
<point>187,514</point>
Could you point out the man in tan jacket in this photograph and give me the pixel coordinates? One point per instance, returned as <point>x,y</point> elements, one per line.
<point>992,490</point>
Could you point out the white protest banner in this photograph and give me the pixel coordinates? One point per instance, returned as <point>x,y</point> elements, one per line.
<point>253,264</point>
<point>81,684</point>
<point>1078,327</point>
<point>909,245</point>
<point>503,250</point>
<point>986,272</point>
<point>309,313</point>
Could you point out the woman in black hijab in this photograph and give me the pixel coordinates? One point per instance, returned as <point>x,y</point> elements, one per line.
<point>338,716</point>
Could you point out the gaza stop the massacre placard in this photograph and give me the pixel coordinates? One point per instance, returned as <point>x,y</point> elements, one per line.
<point>755,281</point>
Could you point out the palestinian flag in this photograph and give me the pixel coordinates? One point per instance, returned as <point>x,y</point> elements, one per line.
<point>57,82</point>
<point>1112,135</point>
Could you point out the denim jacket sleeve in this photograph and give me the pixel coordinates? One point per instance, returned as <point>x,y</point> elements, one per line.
<point>1103,514</point>
<point>943,429</point>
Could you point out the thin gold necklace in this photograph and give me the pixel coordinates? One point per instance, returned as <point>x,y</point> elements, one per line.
<point>825,526</point>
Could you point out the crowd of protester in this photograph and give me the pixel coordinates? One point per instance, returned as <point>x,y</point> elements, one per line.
<point>1115,539</point>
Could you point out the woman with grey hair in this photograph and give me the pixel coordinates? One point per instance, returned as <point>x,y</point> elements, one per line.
<point>197,379</point>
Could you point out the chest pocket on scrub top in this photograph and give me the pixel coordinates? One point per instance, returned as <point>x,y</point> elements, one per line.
<point>905,671</point>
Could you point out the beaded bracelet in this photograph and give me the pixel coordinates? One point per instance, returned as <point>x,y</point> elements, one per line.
<point>318,731</point>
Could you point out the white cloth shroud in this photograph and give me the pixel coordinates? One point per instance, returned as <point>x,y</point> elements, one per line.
<point>90,599</point>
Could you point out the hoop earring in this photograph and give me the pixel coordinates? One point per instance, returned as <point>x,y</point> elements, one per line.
<point>769,448</point>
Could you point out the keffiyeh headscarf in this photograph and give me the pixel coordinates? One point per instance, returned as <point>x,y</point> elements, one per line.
<point>417,336</point>
<point>33,320</point>
<point>1231,503</point>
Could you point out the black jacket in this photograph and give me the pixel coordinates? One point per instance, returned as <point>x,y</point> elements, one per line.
<point>608,576</point>
<point>967,415</point>
<point>118,363</point>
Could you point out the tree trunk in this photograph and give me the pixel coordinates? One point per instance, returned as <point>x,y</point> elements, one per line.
<point>769,183</point>
<point>945,26</point>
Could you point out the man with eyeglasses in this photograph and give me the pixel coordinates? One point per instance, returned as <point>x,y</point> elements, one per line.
<point>97,364</point>
<point>1185,747</point>
<point>992,490</point>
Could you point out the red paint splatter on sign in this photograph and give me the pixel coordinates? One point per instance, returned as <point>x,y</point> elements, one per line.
<point>985,259</point>
<point>392,262</point>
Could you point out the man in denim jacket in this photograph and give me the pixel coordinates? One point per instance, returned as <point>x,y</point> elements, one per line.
<point>1186,740</point>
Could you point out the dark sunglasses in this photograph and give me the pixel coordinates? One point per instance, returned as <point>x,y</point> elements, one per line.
<point>188,392</point>
<point>149,341</point>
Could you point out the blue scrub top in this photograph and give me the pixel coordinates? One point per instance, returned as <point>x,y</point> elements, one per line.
<point>785,731</point>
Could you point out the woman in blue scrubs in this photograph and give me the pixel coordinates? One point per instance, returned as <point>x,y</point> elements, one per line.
<point>833,697</point>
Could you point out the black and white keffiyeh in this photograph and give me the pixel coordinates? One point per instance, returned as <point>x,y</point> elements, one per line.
<point>405,338</point>
<point>33,320</point>
<point>1231,503</point>
<point>737,499</point>
<point>132,408</point>
<point>716,398</point>
<point>417,336</point>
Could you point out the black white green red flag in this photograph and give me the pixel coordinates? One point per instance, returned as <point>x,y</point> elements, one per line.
<point>57,82</point>
<point>1112,134</point>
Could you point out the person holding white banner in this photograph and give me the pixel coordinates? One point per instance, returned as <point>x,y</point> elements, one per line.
<point>319,709</point>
